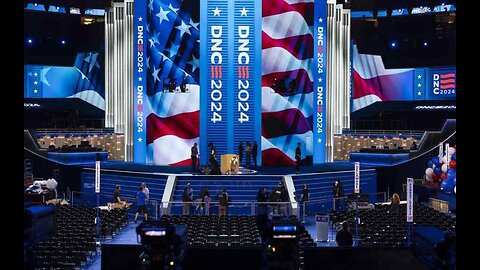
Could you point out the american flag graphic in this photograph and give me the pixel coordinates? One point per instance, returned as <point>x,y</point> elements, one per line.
<point>287,55</point>
<point>372,82</point>
<point>84,80</point>
<point>173,54</point>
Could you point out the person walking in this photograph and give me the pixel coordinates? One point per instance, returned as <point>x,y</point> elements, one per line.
<point>142,204</point>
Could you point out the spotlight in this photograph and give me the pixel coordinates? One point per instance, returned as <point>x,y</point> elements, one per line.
<point>35,4</point>
<point>63,42</point>
<point>30,41</point>
<point>425,44</point>
<point>58,8</point>
<point>393,44</point>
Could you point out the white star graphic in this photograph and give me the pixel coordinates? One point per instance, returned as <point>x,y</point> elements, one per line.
<point>155,36</point>
<point>320,20</point>
<point>35,91</point>
<point>184,28</point>
<point>35,82</point>
<point>419,85</point>
<point>319,140</point>
<point>216,11</point>
<point>155,74</point>
<point>92,59</point>
<point>172,8</point>
<point>320,80</point>
<point>162,15</point>
<point>419,93</point>
<point>194,24</point>
<point>140,79</point>
<point>152,42</point>
<point>139,139</point>
<point>243,12</point>
<point>150,5</point>
<point>35,74</point>
<point>140,19</point>
<point>194,63</point>
<point>173,49</point>
<point>419,76</point>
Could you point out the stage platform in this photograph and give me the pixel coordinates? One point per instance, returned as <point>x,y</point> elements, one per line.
<point>319,168</point>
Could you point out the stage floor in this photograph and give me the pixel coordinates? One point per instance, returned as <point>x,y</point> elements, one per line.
<point>324,167</point>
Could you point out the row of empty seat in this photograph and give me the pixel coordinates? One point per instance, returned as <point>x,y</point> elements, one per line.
<point>73,244</point>
<point>379,227</point>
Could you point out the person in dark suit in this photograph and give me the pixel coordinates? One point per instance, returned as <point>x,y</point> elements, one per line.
<point>344,237</point>
<point>338,193</point>
<point>194,156</point>
<point>240,153</point>
<point>254,153</point>
<point>298,157</point>
<point>248,154</point>
<point>414,146</point>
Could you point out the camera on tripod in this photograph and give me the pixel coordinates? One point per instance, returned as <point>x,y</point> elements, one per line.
<point>163,245</point>
<point>282,244</point>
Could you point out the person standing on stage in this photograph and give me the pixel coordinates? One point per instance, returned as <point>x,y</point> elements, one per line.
<point>187,198</point>
<point>298,157</point>
<point>248,155</point>
<point>146,190</point>
<point>254,153</point>
<point>194,156</point>
<point>141,203</point>
<point>338,193</point>
<point>240,153</point>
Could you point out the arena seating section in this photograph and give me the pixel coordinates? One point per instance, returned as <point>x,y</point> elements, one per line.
<point>73,244</point>
<point>378,228</point>
<point>346,143</point>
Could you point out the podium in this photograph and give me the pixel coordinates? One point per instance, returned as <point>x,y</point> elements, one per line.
<point>225,163</point>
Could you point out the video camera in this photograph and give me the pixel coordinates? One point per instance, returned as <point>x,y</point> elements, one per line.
<point>282,244</point>
<point>164,245</point>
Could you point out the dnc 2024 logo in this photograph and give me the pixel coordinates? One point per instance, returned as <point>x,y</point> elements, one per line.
<point>444,84</point>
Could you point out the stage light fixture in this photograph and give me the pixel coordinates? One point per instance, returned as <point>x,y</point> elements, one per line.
<point>29,41</point>
<point>393,44</point>
<point>425,44</point>
<point>35,4</point>
<point>63,42</point>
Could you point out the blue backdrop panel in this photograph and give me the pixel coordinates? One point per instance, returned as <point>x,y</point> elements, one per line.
<point>320,81</point>
<point>246,83</point>
<point>215,102</point>
<point>140,81</point>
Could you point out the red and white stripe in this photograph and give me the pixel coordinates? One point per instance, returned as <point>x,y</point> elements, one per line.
<point>172,126</point>
<point>287,53</point>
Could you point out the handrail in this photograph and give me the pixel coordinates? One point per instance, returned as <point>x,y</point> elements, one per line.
<point>433,148</point>
<point>380,132</point>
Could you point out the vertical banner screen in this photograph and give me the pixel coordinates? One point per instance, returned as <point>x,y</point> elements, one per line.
<point>214,80</point>
<point>244,71</point>
<point>139,81</point>
<point>357,177</point>
<point>97,177</point>
<point>409,199</point>
<point>320,63</point>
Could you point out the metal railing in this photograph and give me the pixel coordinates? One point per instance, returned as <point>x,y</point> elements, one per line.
<point>242,207</point>
<point>89,198</point>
